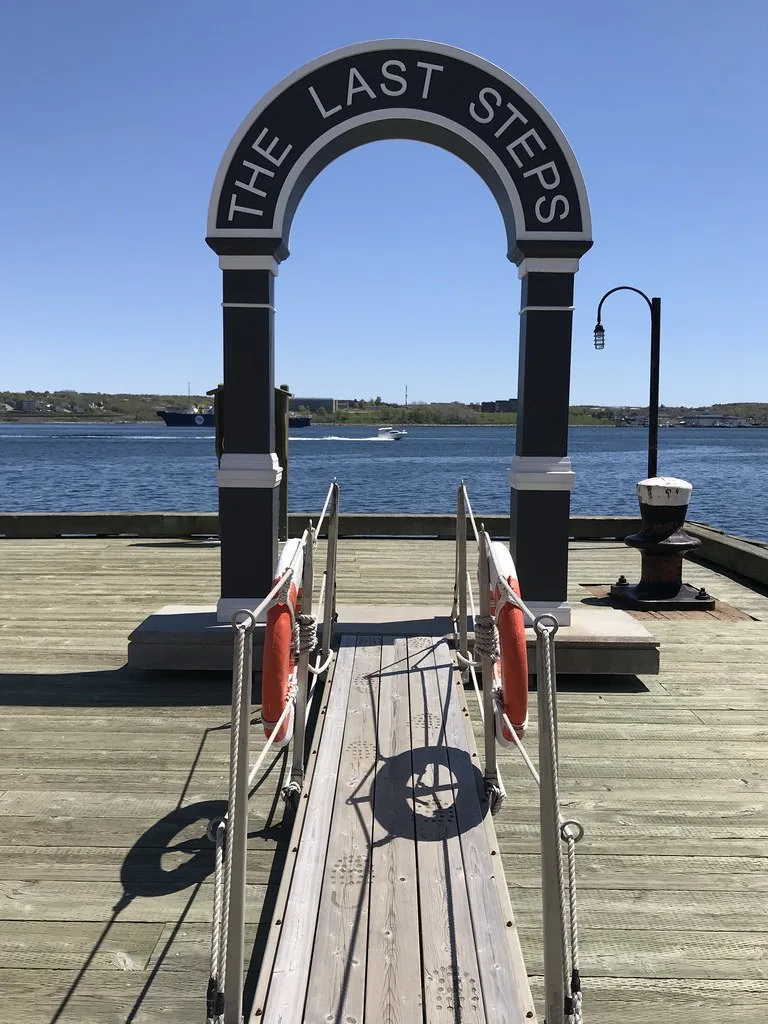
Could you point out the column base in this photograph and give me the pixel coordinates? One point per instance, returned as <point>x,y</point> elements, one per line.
<point>560,610</point>
<point>227,606</point>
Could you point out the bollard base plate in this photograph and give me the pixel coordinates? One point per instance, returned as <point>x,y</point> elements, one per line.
<point>687,598</point>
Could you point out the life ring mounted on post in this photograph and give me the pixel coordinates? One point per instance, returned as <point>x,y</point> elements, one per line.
<point>279,667</point>
<point>510,672</point>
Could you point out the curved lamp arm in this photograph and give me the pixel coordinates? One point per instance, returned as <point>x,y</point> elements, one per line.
<point>599,331</point>
<point>621,288</point>
<point>654,305</point>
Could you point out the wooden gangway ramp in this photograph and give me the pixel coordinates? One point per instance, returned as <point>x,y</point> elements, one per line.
<point>396,910</point>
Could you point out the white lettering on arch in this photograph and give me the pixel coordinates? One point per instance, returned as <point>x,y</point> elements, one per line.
<point>553,182</point>
<point>267,153</point>
<point>387,89</point>
<point>319,104</point>
<point>357,84</point>
<point>554,202</point>
<point>429,68</point>
<point>250,186</point>
<point>523,141</point>
<point>481,98</point>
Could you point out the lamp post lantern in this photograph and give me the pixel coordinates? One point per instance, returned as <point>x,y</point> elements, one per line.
<point>653,403</point>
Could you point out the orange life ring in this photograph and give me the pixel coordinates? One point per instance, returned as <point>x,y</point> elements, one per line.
<point>278,667</point>
<point>511,670</point>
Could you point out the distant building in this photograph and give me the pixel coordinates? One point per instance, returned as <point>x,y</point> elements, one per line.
<point>499,405</point>
<point>507,405</point>
<point>312,404</point>
<point>711,419</point>
<point>27,405</point>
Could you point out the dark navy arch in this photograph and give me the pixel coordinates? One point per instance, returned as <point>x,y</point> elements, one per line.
<point>400,89</point>
<point>428,92</point>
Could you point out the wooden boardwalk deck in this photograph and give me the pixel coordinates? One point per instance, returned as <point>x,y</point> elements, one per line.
<point>107,779</point>
<point>396,910</point>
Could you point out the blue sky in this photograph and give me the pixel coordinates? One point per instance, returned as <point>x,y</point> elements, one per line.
<point>115,116</point>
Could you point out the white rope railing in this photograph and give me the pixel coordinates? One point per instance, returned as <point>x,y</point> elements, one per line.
<point>468,506</point>
<point>545,633</point>
<point>326,504</point>
<point>224,997</point>
<point>568,832</point>
<point>243,623</point>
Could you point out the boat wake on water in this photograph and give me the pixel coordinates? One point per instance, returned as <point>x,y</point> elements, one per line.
<point>333,437</point>
<point>384,434</point>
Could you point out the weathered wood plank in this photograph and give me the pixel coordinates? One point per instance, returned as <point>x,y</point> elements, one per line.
<point>393,982</point>
<point>48,945</point>
<point>506,994</point>
<point>99,863</point>
<point>140,900</point>
<point>187,825</point>
<point>113,780</point>
<point>655,872</point>
<point>679,910</point>
<point>336,987</point>
<point>100,997</point>
<point>451,976</point>
<point>287,991</point>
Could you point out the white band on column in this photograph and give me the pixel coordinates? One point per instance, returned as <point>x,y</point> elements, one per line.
<point>227,606</point>
<point>248,305</point>
<point>541,473</point>
<point>247,469</point>
<point>546,309</point>
<point>560,610</point>
<point>249,263</point>
<point>547,265</point>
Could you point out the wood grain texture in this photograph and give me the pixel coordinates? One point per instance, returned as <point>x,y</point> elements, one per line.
<point>336,988</point>
<point>290,975</point>
<point>452,986</point>
<point>393,981</point>
<point>667,773</point>
<point>505,994</point>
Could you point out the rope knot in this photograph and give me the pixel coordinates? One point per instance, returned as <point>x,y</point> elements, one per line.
<point>307,632</point>
<point>284,592</point>
<point>487,637</point>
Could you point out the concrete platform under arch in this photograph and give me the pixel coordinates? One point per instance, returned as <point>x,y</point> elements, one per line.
<point>599,641</point>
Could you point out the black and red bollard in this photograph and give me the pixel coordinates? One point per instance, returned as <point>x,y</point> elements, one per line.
<point>663,544</point>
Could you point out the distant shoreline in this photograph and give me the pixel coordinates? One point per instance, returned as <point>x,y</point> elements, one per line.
<point>38,420</point>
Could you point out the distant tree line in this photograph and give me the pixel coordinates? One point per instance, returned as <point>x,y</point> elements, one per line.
<point>94,406</point>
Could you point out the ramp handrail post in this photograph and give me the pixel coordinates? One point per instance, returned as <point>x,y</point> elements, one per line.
<point>491,770</point>
<point>329,607</point>
<point>302,674</point>
<point>551,865</point>
<point>237,835</point>
<point>461,568</point>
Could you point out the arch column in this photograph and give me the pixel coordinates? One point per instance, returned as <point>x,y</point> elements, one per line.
<point>249,475</point>
<point>541,477</point>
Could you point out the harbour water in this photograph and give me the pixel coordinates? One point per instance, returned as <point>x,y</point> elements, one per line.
<point>128,467</point>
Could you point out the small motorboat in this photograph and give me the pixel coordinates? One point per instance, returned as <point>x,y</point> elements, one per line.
<point>390,434</point>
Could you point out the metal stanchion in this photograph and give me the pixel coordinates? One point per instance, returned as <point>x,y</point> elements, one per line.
<point>237,836</point>
<point>554,953</point>
<point>461,569</point>
<point>491,771</point>
<point>329,608</point>
<point>302,674</point>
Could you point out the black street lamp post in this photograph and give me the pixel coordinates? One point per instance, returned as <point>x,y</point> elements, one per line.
<point>661,540</point>
<point>653,405</point>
